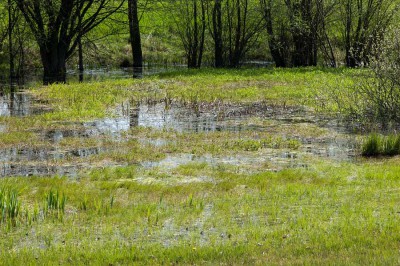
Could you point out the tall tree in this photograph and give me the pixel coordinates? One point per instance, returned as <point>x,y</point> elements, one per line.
<point>217,30</point>
<point>304,26</point>
<point>235,25</point>
<point>244,24</point>
<point>134,33</point>
<point>278,33</point>
<point>11,21</point>
<point>296,39</point>
<point>54,24</point>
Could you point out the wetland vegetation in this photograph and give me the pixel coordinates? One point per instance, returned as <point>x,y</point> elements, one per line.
<point>193,167</point>
<point>199,132</point>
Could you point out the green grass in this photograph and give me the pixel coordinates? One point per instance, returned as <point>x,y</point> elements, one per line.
<point>328,214</point>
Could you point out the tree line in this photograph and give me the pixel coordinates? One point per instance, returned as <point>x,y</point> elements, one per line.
<point>293,33</point>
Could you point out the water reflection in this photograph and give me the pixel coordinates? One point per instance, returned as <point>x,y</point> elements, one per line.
<point>15,102</point>
<point>13,169</point>
<point>187,118</point>
<point>172,116</point>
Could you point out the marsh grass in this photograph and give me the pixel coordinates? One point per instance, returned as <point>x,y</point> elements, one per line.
<point>54,204</point>
<point>372,146</point>
<point>10,206</point>
<point>379,145</point>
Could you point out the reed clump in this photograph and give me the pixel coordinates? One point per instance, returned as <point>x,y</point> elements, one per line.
<point>10,206</point>
<point>378,145</point>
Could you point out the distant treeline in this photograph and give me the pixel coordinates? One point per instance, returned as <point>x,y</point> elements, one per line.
<point>223,33</point>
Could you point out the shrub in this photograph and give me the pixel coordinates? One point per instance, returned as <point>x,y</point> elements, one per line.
<point>374,98</point>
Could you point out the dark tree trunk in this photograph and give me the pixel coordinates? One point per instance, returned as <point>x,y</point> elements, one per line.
<point>54,64</point>
<point>203,33</point>
<point>80,60</point>
<point>134,31</point>
<point>274,46</point>
<point>193,40</point>
<point>11,23</point>
<point>217,28</point>
<point>80,49</point>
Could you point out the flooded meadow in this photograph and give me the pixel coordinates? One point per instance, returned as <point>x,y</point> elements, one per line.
<point>192,167</point>
<point>268,137</point>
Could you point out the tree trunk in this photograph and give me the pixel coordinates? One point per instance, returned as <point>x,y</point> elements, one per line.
<point>10,41</point>
<point>193,40</point>
<point>134,31</point>
<point>273,43</point>
<point>304,34</point>
<point>203,31</point>
<point>80,60</point>
<point>54,64</point>
<point>80,50</point>
<point>217,27</point>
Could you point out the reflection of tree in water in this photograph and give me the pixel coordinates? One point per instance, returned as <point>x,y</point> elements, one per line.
<point>13,103</point>
<point>134,115</point>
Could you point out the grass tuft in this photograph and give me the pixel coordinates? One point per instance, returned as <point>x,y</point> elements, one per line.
<point>371,147</point>
<point>377,145</point>
<point>10,206</point>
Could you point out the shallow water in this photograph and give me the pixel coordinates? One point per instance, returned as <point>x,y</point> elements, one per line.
<point>19,104</point>
<point>203,118</point>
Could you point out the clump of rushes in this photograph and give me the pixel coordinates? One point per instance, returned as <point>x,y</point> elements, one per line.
<point>54,201</point>
<point>376,145</point>
<point>391,145</point>
<point>371,146</point>
<point>9,206</point>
